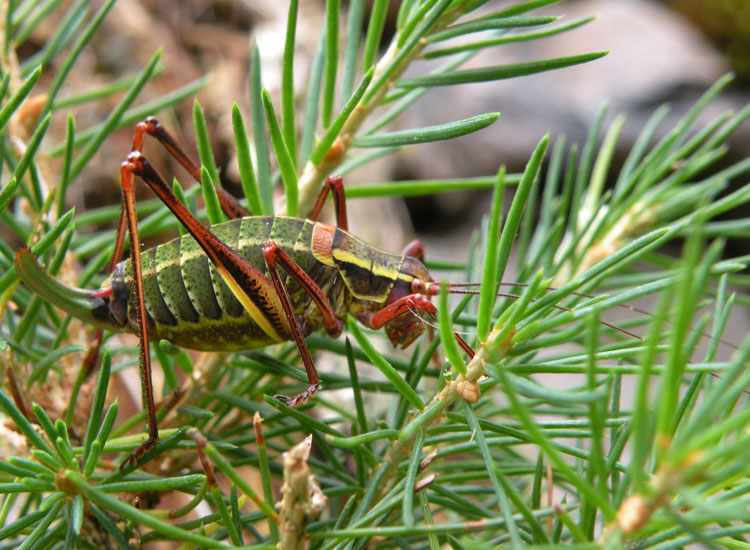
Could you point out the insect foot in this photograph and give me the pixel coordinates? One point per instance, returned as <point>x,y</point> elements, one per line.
<point>299,398</point>
<point>136,455</point>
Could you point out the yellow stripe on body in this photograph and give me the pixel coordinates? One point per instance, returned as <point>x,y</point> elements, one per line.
<point>379,270</point>
<point>369,273</point>
<point>249,305</point>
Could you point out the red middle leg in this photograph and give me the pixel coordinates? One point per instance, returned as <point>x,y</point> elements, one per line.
<point>334,184</point>
<point>273,254</point>
<point>415,249</point>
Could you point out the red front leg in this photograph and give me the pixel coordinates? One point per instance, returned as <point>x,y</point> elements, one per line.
<point>411,302</point>
<point>415,249</point>
<point>407,303</point>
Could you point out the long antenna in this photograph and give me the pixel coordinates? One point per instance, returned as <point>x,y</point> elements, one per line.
<point>634,309</point>
<point>556,306</point>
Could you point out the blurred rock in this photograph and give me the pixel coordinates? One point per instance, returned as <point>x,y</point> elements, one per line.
<point>726,23</point>
<point>656,57</point>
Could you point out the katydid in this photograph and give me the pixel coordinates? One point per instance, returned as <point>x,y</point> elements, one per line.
<point>221,289</point>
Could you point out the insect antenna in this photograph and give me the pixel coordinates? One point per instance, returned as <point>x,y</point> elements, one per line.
<point>556,306</point>
<point>634,309</point>
<point>464,288</point>
<point>461,342</point>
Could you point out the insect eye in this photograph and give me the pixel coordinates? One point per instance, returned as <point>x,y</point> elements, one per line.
<point>418,286</point>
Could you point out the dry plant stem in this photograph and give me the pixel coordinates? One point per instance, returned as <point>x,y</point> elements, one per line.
<point>15,392</point>
<point>313,175</point>
<point>425,482</point>
<point>258,426</point>
<point>550,498</point>
<point>208,468</point>
<point>302,499</point>
<point>311,179</point>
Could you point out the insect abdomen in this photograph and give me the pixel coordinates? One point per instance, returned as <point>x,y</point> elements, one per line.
<point>189,303</point>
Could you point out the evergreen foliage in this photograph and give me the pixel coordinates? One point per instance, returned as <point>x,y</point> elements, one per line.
<point>645,447</point>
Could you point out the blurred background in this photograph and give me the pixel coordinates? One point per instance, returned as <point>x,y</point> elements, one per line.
<point>661,51</point>
<point>667,51</point>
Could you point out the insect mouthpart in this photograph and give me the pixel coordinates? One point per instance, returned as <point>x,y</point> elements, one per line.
<point>404,328</point>
<point>410,289</point>
<point>429,288</point>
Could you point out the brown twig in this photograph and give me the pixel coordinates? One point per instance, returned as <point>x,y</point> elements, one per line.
<point>302,499</point>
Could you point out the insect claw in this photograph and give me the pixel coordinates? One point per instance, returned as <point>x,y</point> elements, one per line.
<point>136,455</point>
<point>300,397</point>
<point>283,398</point>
